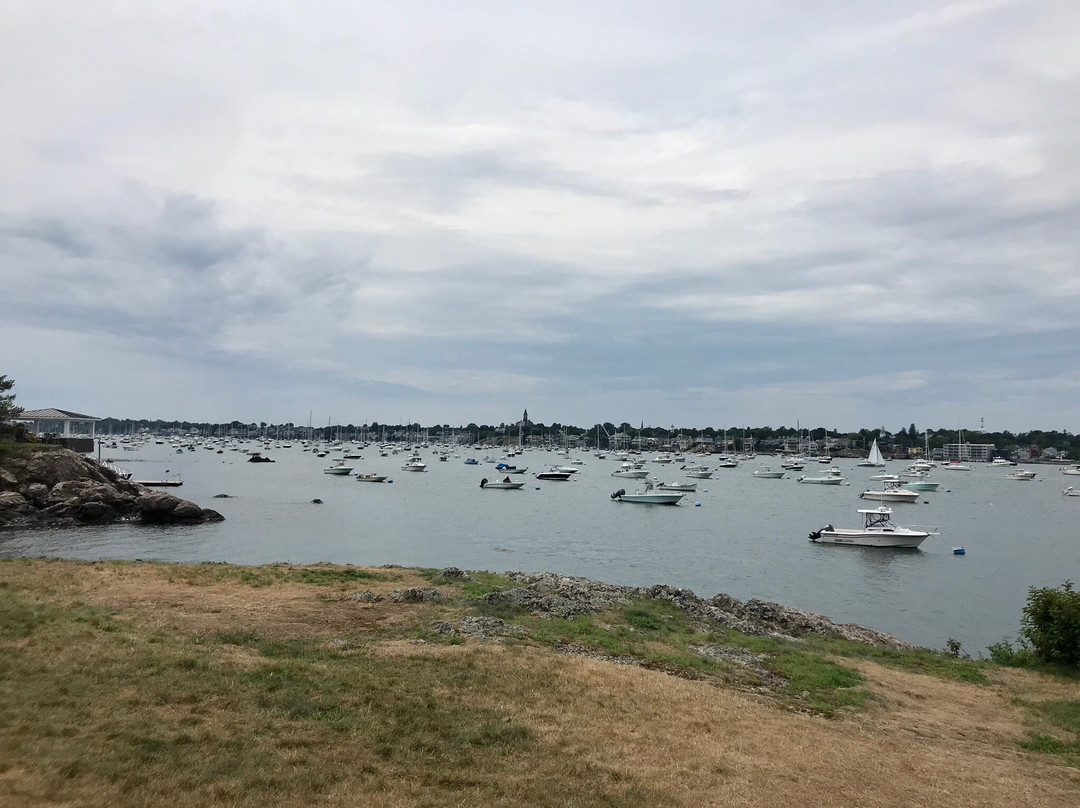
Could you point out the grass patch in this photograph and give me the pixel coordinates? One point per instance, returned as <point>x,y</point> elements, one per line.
<point>1065,715</point>
<point>917,660</point>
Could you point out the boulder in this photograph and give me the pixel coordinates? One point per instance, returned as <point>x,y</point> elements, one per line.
<point>62,489</point>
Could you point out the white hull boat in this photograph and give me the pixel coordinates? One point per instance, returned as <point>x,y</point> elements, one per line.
<point>767,473</point>
<point>920,485</point>
<point>553,475</point>
<point>1021,475</point>
<point>878,531</point>
<point>1071,492</point>
<point>676,486</point>
<point>338,468</point>
<point>875,459</point>
<point>891,495</point>
<point>700,475</point>
<point>506,485</point>
<point>414,463</point>
<point>1073,472</point>
<point>648,497</point>
<point>371,478</point>
<point>834,477</point>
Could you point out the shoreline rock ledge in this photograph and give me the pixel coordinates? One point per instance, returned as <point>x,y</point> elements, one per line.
<point>63,489</point>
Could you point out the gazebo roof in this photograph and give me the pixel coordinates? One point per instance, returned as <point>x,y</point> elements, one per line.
<point>52,414</point>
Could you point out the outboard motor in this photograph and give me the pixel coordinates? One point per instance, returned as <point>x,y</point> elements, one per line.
<point>618,493</point>
<point>483,482</point>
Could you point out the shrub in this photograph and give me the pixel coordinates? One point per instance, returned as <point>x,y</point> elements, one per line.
<point>1051,623</point>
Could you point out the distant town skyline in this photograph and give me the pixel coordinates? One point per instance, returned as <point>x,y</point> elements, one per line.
<point>690,213</point>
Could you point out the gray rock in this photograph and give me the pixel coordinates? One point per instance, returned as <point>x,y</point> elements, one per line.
<point>417,594</point>
<point>367,596</point>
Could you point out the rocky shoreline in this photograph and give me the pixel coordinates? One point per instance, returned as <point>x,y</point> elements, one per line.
<point>58,489</point>
<point>566,596</point>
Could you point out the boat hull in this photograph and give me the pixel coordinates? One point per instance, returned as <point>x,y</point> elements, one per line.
<point>651,499</point>
<point>890,496</point>
<point>900,537</point>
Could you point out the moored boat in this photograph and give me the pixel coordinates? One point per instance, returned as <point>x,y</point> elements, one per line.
<point>649,496</point>
<point>832,477</point>
<point>878,530</point>
<point>507,484</point>
<point>769,474</point>
<point>371,478</point>
<point>554,474</point>
<point>1021,474</point>
<point>891,491</point>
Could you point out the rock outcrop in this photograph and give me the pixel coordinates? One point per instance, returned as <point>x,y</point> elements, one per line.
<point>63,489</point>
<point>566,596</point>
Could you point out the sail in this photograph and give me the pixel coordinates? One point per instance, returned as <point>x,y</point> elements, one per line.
<point>875,455</point>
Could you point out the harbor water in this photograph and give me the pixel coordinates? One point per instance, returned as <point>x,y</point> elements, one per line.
<point>746,538</point>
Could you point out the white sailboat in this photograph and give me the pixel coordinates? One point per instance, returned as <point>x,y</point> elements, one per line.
<point>875,459</point>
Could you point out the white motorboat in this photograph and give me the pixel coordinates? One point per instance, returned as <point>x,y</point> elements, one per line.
<point>832,477</point>
<point>507,484</point>
<point>649,496</point>
<point>956,465</point>
<point>414,463</point>
<point>663,457</point>
<point>920,484</point>
<point>1071,492</point>
<point>875,459</point>
<point>1021,474</point>
<point>878,530</point>
<point>884,476</point>
<point>339,468</point>
<point>628,471</point>
<point>702,474</point>
<point>728,463</point>
<point>769,474</point>
<point>674,486</point>
<point>371,478</point>
<point>554,474</point>
<point>891,491</point>
<point>1073,471</point>
<point>1001,461</point>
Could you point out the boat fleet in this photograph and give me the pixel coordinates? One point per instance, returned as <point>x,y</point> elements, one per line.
<point>878,528</point>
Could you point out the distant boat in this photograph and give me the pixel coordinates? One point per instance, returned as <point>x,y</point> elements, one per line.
<point>554,474</point>
<point>648,497</point>
<point>507,484</point>
<point>875,459</point>
<point>891,492</point>
<point>414,463</point>
<point>1022,474</point>
<point>767,473</point>
<point>371,478</point>
<point>1071,492</point>
<point>832,477</point>
<point>338,468</point>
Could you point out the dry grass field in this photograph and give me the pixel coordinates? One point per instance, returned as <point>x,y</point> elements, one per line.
<point>132,684</point>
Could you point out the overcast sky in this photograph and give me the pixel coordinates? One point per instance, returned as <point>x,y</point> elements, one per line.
<point>694,213</point>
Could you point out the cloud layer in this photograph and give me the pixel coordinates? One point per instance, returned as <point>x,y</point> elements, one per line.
<point>705,214</point>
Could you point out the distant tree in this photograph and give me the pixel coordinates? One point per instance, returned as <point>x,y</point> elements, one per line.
<point>8,408</point>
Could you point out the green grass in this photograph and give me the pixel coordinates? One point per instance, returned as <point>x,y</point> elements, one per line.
<point>1065,715</point>
<point>271,574</point>
<point>23,451</point>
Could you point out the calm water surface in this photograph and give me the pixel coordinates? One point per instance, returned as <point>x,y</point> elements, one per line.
<point>748,538</point>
